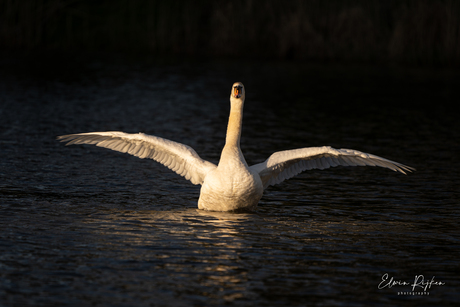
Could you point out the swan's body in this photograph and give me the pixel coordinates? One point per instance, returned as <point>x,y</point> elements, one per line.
<point>232,184</point>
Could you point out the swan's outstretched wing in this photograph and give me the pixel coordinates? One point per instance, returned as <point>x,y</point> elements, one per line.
<point>286,164</point>
<point>180,158</point>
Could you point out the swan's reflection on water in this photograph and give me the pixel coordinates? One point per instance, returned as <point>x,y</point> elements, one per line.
<point>177,248</point>
<point>169,230</point>
<point>227,256</point>
<point>177,256</point>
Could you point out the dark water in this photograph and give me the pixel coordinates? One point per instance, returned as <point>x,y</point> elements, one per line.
<point>81,225</point>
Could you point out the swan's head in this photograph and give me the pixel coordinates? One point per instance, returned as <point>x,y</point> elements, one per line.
<point>238,91</point>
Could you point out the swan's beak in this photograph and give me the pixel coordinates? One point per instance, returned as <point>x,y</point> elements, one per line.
<point>237,91</point>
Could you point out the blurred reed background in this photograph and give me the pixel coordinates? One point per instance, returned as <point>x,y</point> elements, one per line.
<point>415,32</point>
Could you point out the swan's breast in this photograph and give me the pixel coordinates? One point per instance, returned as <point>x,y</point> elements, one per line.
<point>230,190</point>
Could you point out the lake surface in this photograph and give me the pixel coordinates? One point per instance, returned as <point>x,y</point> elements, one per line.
<point>82,225</point>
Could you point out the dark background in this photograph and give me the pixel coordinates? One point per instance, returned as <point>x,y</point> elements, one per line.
<point>409,32</point>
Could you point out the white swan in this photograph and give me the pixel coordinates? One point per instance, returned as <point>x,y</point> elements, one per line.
<point>232,184</point>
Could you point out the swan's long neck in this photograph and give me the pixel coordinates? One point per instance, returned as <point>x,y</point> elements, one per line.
<point>232,157</point>
<point>235,123</point>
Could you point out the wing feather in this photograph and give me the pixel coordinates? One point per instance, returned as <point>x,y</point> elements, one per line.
<point>350,162</point>
<point>310,165</point>
<point>336,161</point>
<point>342,161</point>
<point>286,164</point>
<point>180,158</point>
<point>324,163</point>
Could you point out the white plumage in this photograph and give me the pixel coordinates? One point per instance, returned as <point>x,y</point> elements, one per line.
<point>283,165</point>
<point>180,158</point>
<point>232,184</point>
